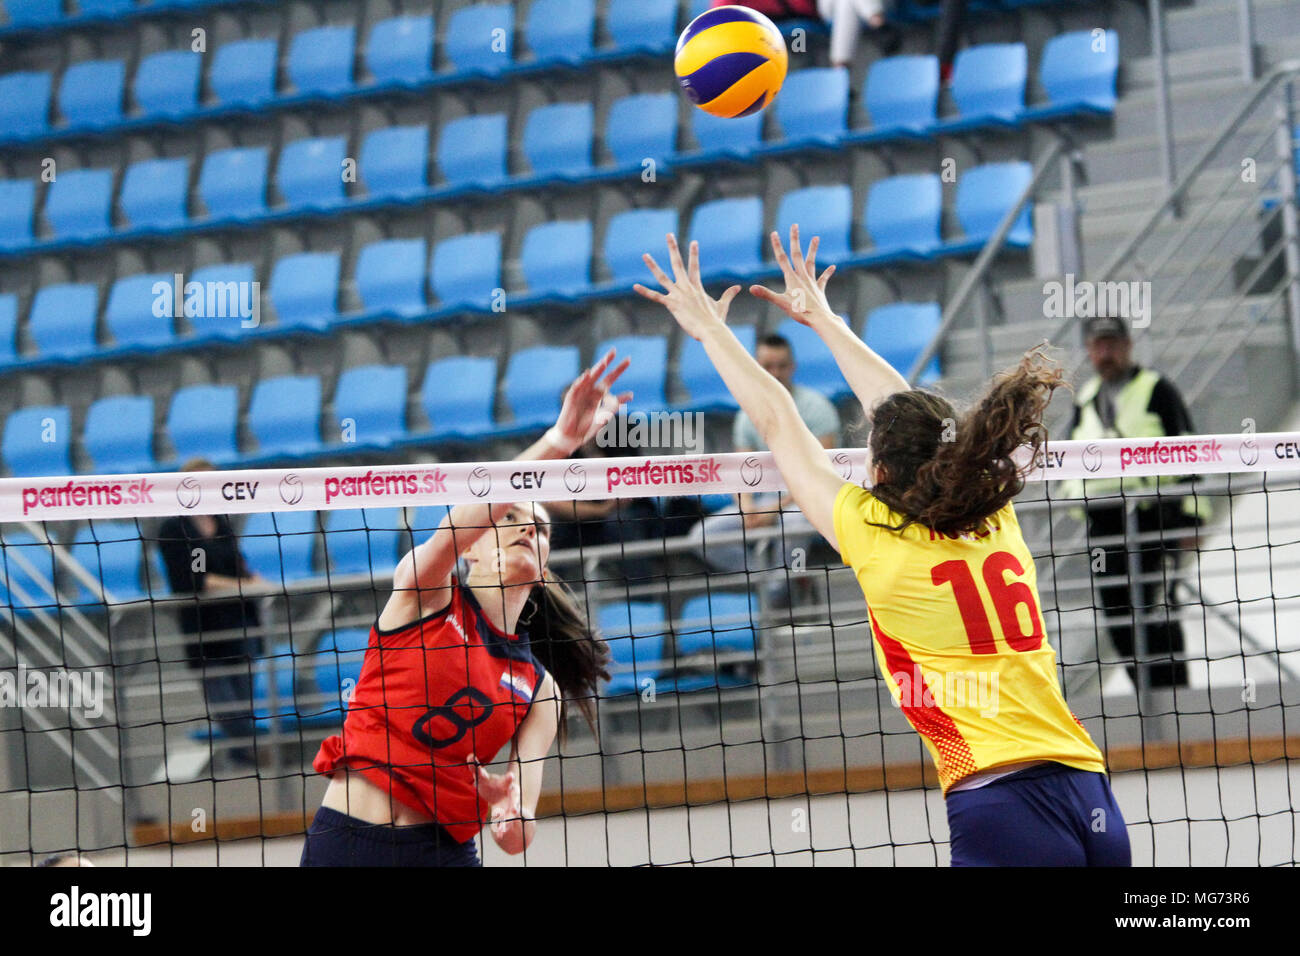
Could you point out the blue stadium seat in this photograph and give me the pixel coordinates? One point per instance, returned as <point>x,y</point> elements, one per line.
<point>904,215</point>
<point>400,50</point>
<point>167,83</point>
<point>472,151</point>
<point>202,423</point>
<point>17,210</point>
<point>458,395</point>
<point>645,377</point>
<point>320,60</point>
<point>814,366</point>
<point>34,13</point>
<point>730,234</point>
<point>104,8</point>
<point>62,320</point>
<point>635,635</point>
<point>373,398</point>
<point>130,313</point>
<point>535,382</point>
<point>338,659</point>
<point>25,447</point>
<point>629,235</point>
<point>25,104</point>
<point>705,389</point>
<point>277,687</point>
<point>900,331</point>
<point>1078,72</point>
<point>480,38</point>
<point>232,182</point>
<point>717,623</point>
<point>642,26</point>
<point>988,86</point>
<point>309,174</point>
<point>90,93</point>
<point>902,98</point>
<point>813,109</point>
<point>984,194</point>
<point>284,415</point>
<point>8,328</point>
<point>557,140</point>
<point>390,277</point>
<point>363,541</point>
<point>155,193</point>
<point>465,271</point>
<point>556,258</point>
<point>305,289</point>
<point>424,520</point>
<point>118,435</point>
<point>243,72</point>
<point>825,211</point>
<point>560,31</point>
<point>112,554</point>
<point>395,161</point>
<point>721,138</point>
<point>219,322</point>
<point>279,545</point>
<point>79,204</point>
<point>640,127</point>
<point>21,589</point>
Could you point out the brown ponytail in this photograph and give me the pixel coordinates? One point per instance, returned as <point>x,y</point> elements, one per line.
<point>949,473</point>
<point>561,639</point>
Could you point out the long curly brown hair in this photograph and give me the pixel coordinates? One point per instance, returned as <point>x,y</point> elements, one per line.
<point>950,472</point>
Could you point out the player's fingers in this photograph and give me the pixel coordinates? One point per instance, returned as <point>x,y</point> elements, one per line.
<point>658,273</point>
<point>810,263</point>
<point>675,257</point>
<point>727,296</point>
<point>694,270</point>
<point>763,292</point>
<point>779,251</point>
<point>619,369</point>
<point>650,294</point>
<point>830,271</point>
<point>796,251</point>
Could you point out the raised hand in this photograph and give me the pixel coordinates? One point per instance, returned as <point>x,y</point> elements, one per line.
<point>511,830</point>
<point>686,299</point>
<point>588,404</point>
<point>804,299</point>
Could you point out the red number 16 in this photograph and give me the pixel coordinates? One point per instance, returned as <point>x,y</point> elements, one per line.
<point>1007,597</point>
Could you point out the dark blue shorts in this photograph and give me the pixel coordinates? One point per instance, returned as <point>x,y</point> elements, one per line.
<point>336,839</point>
<point>1052,815</point>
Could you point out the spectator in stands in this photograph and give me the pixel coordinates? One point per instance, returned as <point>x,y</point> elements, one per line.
<point>1125,400</point>
<point>202,557</point>
<point>846,19</point>
<point>951,13</point>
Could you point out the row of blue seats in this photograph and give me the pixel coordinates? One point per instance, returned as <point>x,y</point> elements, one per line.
<point>902,218</point>
<point>458,396</point>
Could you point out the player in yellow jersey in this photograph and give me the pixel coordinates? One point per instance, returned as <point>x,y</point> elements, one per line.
<point>950,585</point>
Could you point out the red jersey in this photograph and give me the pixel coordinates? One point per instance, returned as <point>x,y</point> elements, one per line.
<point>431,694</point>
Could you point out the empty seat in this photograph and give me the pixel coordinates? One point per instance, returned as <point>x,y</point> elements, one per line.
<point>202,423</point>
<point>229,300</point>
<point>472,151</point>
<point>902,95</point>
<point>717,135</point>
<point>8,327</point>
<point>558,139</point>
<point>730,234</point>
<point>631,234</point>
<point>400,50</point>
<point>320,60</point>
<point>134,302</point>
<point>243,72</point>
<point>79,204</point>
<point>372,398</point>
<point>363,541</point>
<point>25,104</point>
<point>104,8</point>
<point>465,272</point>
<point>984,194</point>
<point>63,318</point>
<point>535,382</point>
<point>1078,72</point>
<point>305,289</point>
<point>27,574</point>
<point>112,553</point>
<point>814,365</point>
<point>232,183</point>
<point>814,106</point>
<point>645,377</point>
<point>395,161</point>
<point>154,193</point>
<point>480,38</point>
<point>705,389</point>
<point>425,520</point>
<point>634,633</point>
<point>646,26</point>
<point>336,662</point>
<point>988,86</point>
<point>90,93</point>
<point>904,215</point>
<point>899,332</point>
<point>823,211</point>
<point>458,395</point>
<point>712,626</point>
<point>556,258</point>
<point>118,435</point>
<point>561,30</point>
<point>640,127</point>
<point>17,210</point>
<point>34,13</point>
<point>390,277</point>
<point>279,545</point>
<point>309,174</point>
<point>284,415</point>
<point>167,83</point>
<point>38,441</point>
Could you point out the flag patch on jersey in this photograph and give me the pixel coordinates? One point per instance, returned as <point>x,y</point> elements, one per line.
<point>517,686</point>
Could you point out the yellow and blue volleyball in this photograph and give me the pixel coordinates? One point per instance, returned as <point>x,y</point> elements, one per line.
<point>731,61</point>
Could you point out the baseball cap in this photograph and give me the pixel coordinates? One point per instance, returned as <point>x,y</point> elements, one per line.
<point>1100,326</point>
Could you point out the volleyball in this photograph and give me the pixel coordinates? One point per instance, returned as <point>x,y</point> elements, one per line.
<point>731,61</point>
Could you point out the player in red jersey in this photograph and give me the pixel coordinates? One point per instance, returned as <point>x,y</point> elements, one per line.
<point>447,682</point>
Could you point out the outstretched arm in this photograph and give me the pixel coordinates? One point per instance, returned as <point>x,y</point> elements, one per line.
<point>804,300</point>
<point>799,455</point>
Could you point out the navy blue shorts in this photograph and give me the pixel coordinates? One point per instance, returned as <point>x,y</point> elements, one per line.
<point>336,839</point>
<point>1051,815</point>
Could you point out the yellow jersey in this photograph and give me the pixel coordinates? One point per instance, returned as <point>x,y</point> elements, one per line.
<point>960,639</point>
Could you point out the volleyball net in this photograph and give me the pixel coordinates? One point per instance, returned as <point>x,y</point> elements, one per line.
<point>746,719</point>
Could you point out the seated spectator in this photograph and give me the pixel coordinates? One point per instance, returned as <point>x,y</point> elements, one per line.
<point>846,19</point>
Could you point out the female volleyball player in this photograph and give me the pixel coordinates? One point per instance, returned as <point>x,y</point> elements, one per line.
<point>950,585</point>
<point>447,682</point>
